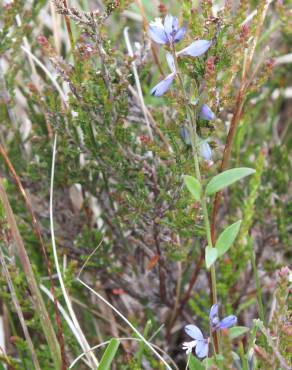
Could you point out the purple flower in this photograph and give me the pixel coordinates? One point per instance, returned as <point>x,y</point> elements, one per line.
<point>227,322</point>
<point>201,344</point>
<point>196,48</point>
<point>206,113</point>
<point>216,323</point>
<point>213,315</point>
<point>164,85</point>
<point>205,150</point>
<point>167,32</point>
<point>184,133</point>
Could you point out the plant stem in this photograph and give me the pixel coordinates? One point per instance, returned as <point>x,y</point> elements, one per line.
<point>192,127</point>
<point>188,361</point>
<point>257,280</point>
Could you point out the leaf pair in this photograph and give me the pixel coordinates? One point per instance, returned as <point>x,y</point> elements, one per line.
<point>218,182</point>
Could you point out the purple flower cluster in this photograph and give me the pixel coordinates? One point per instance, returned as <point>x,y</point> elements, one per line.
<point>200,343</point>
<point>170,33</point>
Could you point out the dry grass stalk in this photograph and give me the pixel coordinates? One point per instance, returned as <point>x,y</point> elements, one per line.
<point>32,283</point>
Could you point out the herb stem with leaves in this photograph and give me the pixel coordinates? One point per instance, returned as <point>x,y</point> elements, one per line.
<point>192,127</point>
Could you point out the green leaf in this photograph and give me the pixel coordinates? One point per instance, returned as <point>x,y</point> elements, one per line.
<point>195,364</point>
<point>237,331</point>
<point>227,178</point>
<point>109,354</point>
<point>227,237</point>
<point>211,254</point>
<point>194,186</point>
<point>142,344</point>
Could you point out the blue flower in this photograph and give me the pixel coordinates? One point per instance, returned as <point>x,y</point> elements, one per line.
<point>168,32</point>
<point>164,85</point>
<point>184,133</point>
<point>205,150</point>
<point>216,323</point>
<point>200,343</point>
<point>206,113</point>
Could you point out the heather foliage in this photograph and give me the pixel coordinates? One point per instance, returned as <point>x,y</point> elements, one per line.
<point>144,184</point>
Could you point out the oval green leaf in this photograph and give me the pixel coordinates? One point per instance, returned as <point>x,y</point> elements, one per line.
<point>109,354</point>
<point>211,255</point>
<point>227,178</point>
<point>193,186</point>
<point>237,331</point>
<point>227,237</point>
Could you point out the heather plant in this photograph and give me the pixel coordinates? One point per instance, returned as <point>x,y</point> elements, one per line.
<point>144,184</point>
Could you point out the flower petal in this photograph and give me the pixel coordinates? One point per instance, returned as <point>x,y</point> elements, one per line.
<point>202,348</point>
<point>194,332</point>
<point>158,35</point>
<point>179,34</point>
<point>170,25</point>
<point>206,113</point>
<point>206,153</point>
<point>227,322</point>
<point>162,86</point>
<point>213,313</point>
<point>157,22</point>
<point>170,62</point>
<point>188,346</point>
<point>196,48</point>
<point>184,133</point>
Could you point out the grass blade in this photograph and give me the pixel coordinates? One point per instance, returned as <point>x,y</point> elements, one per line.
<point>109,354</point>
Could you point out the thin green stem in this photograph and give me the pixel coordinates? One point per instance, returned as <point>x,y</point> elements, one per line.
<point>258,284</point>
<point>188,361</point>
<point>192,127</point>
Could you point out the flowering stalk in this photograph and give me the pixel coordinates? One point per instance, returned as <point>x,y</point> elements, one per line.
<point>192,127</point>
